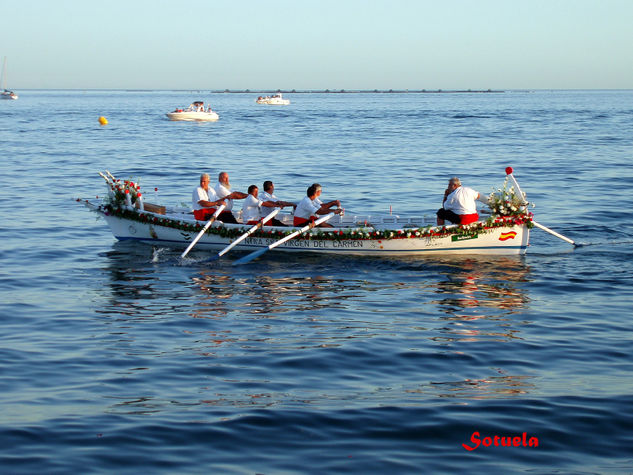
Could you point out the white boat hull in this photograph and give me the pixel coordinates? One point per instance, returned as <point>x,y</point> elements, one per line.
<point>193,116</point>
<point>274,102</point>
<point>510,239</point>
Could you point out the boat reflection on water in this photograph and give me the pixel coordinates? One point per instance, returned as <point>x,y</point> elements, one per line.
<point>481,302</point>
<point>460,290</point>
<point>430,327</point>
<point>265,296</point>
<point>482,289</point>
<point>491,387</point>
<point>220,287</point>
<point>483,283</point>
<point>464,299</point>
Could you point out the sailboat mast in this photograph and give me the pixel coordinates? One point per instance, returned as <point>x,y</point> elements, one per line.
<point>4,66</point>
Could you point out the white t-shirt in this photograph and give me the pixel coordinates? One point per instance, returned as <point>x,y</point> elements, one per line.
<point>251,209</point>
<point>223,191</point>
<point>268,197</point>
<point>462,201</point>
<point>265,196</point>
<point>307,207</point>
<point>202,194</point>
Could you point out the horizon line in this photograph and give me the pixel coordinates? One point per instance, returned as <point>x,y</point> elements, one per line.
<point>323,91</point>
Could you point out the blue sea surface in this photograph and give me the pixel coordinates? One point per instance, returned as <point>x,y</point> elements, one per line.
<point>117,357</point>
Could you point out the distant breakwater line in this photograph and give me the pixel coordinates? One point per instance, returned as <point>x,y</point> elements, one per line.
<point>344,91</point>
<point>366,91</point>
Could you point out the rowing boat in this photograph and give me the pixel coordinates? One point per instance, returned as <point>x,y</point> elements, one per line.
<point>130,219</point>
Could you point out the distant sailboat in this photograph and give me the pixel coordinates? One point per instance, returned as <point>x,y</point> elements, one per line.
<point>6,94</point>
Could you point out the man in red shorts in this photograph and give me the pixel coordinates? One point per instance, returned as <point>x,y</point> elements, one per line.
<point>459,204</point>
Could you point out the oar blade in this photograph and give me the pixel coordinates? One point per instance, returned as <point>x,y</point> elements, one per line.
<point>249,257</point>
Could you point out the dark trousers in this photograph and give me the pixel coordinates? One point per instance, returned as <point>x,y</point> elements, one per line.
<point>227,217</point>
<point>274,222</point>
<point>449,216</point>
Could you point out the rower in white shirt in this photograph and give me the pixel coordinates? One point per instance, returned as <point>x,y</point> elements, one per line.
<point>204,201</point>
<point>255,209</point>
<point>223,190</point>
<point>311,206</point>
<point>268,195</point>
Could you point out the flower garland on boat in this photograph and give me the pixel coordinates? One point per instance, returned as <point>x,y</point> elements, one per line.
<point>122,190</point>
<point>507,202</point>
<point>361,233</point>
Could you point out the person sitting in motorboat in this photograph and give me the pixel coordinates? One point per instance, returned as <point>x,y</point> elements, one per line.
<point>223,190</point>
<point>253,207</point>
<point>311,206</point>
<point>196,107</point>
<point>459,205</point>
<point>204,199</point>
<point>268,195</point>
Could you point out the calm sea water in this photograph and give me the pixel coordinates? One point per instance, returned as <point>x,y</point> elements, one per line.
<point>116,358</point>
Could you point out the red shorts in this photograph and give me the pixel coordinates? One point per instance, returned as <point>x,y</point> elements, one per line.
<point>203,214</point>
<point>253,221</point>
<point>468,218</point>
<point>302,221</point>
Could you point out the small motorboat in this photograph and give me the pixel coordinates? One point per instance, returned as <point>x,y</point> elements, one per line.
<point>8,95</point>
<point>195,112</point>
<point>274,100</point>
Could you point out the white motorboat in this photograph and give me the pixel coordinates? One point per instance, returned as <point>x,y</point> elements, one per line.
<point>274,100</point>
<point>195,112</point>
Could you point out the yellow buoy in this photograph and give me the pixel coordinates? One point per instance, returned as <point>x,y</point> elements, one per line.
<point>103,120</point>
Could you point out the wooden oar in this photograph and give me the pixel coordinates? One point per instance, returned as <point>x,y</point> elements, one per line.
<point>206,226</point>
<point>259,252</point>
<point>264,220</point>
<point>538,225</point>
<point>554,233</point>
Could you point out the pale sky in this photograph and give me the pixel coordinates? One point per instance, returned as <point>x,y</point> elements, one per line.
<point>311,44</point>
